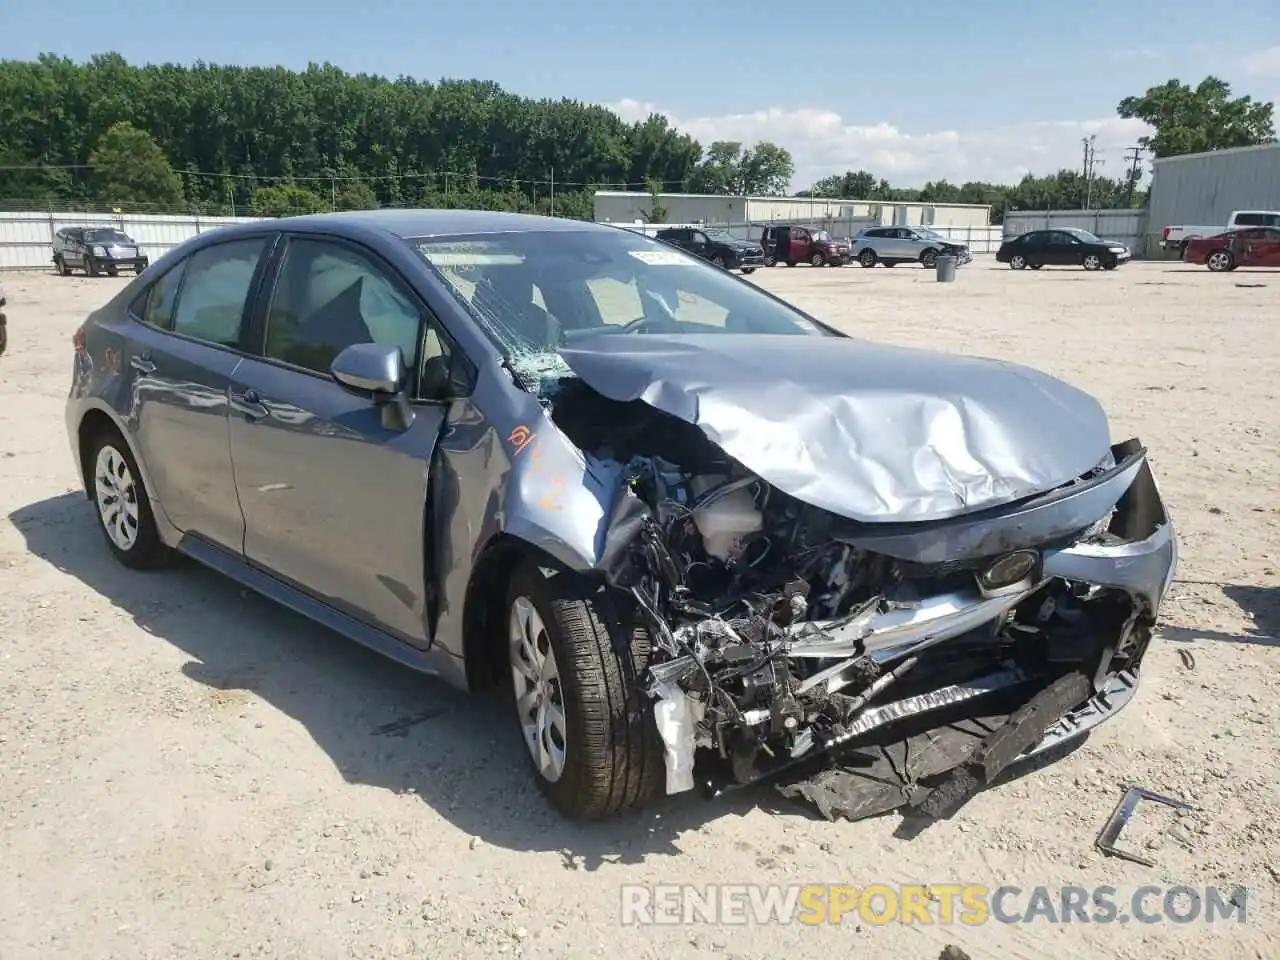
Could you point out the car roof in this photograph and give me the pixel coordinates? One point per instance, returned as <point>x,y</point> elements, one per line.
<point>408,224</point>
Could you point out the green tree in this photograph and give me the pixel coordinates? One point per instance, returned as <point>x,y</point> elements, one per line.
<point>130,167</point>
<point>765,169</point>
<point>657,212</point>
<point>286,200</point>
<point>1206,117</point>
<point>356,195</point>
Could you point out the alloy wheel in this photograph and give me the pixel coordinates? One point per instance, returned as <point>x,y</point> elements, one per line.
<point>539,695</point>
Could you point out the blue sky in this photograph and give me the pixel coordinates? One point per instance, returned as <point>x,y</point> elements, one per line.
<point>912,93</point>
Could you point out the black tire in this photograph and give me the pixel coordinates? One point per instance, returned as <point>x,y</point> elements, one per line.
<point>1035,266</point>
<point>929,259</point>
<point>90,268</point>
<point>4,335</point>
<point>613,756</point>
<point>747,271</point>
<point>817,260</point>
<point>791,263</point>
<point>1017,262</point>
<point>146,551</point>
<point>1092,262</point>
<point>890,264</point>
<point>868,258</point>
<point>720,262</point>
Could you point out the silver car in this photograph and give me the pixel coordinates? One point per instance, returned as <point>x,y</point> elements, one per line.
<point>894,245</point>
<point>697,536</point>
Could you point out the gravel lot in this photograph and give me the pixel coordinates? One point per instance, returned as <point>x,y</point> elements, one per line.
<point>191,772</point>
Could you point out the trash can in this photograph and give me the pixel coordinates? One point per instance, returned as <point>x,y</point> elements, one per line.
<point>946,269</point>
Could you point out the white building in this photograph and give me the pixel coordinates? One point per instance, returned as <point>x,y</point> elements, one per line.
<point>842,217</point>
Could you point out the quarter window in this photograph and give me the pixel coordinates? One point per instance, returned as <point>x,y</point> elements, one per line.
<point>156,305</point>
<point>329,297</point>
<point>215,291</point>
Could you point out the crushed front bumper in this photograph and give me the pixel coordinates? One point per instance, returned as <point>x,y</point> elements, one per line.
<point>887,752</point>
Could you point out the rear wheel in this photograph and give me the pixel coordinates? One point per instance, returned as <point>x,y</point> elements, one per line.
<point>1017,262</point>
<point>747,271</point>
<point>791,263</point>
<point>1220,261</point>
<point>867,258</point>
<point>124,509</point>
<point>575,666</point>
<point>1035,266</point>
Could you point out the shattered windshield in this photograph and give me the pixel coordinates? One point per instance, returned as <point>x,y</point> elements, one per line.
<point>535,291</point>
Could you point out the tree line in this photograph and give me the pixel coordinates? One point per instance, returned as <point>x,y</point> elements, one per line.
<point>269,141</point>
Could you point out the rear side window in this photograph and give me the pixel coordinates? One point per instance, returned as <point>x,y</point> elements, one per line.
<point>215,290</point>
<point>156,305</point>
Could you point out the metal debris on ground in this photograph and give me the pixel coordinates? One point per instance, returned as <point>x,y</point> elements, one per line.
<point>1188,660</point>
<point>1106,841</point>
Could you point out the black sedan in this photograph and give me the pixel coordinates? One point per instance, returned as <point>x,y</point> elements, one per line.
<point>1067,247</point>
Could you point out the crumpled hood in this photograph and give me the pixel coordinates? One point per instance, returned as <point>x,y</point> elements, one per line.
<point>867,431</point>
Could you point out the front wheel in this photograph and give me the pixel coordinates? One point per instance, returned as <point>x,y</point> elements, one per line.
<point>124,509</point>
<point>1093,262</point>
<point>720,262</point>
<point>589,729</point>
<point>929,259</point>
<point>817,260</point>
<point>1220,261</point>
<point>90,268</point>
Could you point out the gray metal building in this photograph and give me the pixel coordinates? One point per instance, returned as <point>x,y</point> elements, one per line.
<point>1204,188</point>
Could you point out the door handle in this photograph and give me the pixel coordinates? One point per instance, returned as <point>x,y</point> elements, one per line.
<point>142,362</point>
<point>250,405</point>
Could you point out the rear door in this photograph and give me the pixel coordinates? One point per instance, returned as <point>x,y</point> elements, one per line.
<point>798,250</point>
<point>1258,247</point>
<point>181,353</point>
<point>335,495</point>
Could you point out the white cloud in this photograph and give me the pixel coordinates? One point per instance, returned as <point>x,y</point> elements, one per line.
<point>1138,53</point>
<point>822,143</point>
<point>1264,63</point>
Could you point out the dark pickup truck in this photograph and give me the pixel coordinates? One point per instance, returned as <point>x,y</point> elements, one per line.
<point>717,246</point>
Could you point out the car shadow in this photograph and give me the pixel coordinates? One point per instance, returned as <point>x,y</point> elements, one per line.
<point>1260,604</point>
<point>379,723</point>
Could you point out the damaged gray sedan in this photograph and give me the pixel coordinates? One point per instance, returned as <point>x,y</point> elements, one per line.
<point>703,538</point>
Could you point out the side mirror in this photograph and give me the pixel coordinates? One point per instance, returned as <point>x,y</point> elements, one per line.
<point>377,370</point>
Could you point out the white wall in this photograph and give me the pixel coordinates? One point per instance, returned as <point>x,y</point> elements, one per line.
<point>26,239</point>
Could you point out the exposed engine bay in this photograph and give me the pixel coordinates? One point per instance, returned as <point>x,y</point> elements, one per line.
<point>787,636</point>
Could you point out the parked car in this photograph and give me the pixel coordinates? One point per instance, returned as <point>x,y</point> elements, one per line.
<point>894,245</point>
<point>719,247</point>
<point>791,245</point>
<point>96,250</point>
<point>1251,247</point>
<point>666,509</point>
<point>1066,247</point>
<point>1177,236</point>
<point>4,332</point>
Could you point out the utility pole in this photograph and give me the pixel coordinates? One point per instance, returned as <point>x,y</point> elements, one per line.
<point>1089,152</point>
<point>1136,152</point>
<point>553,191</point>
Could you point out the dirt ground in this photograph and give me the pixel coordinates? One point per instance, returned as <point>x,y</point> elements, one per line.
<point>189,771</point>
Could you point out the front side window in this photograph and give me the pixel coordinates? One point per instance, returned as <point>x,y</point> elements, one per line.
<point>328,297</point>
<point>595,282</point>
<point>215,291</point>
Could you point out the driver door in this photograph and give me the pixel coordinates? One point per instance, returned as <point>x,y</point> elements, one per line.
<point>698,244</point>
<point>1064,250</point>
<point>335,494</point>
